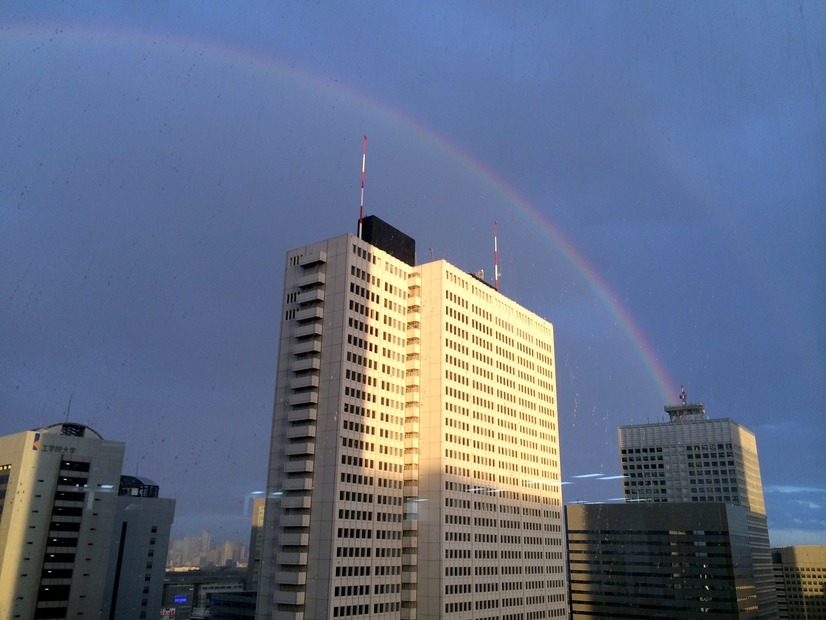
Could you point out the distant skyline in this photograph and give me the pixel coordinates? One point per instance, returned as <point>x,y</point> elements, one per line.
<point>656,172</point>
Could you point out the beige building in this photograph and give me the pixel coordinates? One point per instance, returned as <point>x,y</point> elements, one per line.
<point>800,574</point>
<point>414,468</point>
<point>77,539</point>
<point>61,491</point>
<point>256,544</point>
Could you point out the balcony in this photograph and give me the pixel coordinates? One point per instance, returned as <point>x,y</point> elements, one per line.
<point>311,296</point>
<point>312,279</point>
<point>294,520</point>
<point>307,346</point>
<point>300,447</point>
<point>303,398</point>
<point>291,578</point>
<point>310,314</point>
<point>301,430</point>
<point>290,597</point>
<point>306,363</point>
<point>305,331</point>
<point>301,466</point>
<point>296,502</point>
<point>313,258</point>
<point>292,558</point>
<point>294,540</point>
<point>304,381</point>
<point>306,414</point>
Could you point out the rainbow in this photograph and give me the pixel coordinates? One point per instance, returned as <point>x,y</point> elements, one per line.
<point>242,57</point>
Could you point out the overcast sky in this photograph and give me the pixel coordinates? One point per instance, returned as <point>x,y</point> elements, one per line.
<point>657,170</point>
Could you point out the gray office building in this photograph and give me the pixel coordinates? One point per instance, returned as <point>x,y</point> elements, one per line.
<point>690,458</point>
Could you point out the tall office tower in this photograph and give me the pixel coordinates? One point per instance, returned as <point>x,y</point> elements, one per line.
<point>137,557</point>
<point>660,560</point>
<point>800,574</point>
<point>256,544</point>
<point>414,468</point>
<point>56,521</point>
<point>59,502</point>
<point>691,458</point>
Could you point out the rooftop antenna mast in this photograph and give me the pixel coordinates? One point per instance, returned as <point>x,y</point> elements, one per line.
<point>69,407</point>
<point>363,162</point>
<point>495,255</point>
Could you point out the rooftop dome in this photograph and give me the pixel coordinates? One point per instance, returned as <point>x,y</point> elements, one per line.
<point>71,429</point>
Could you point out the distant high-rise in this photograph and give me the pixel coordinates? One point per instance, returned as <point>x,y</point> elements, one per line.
<point>694,459</point>
<point>414,468</point>
<point>691,459</point>
<point>61,555</point>
<point>660,560</point>
<point>137,557</point>
<point>800,574</point>
<point>256,543</point>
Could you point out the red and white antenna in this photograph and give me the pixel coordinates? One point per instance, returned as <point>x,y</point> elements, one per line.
<point>363,162</point>
<point>495,256</point>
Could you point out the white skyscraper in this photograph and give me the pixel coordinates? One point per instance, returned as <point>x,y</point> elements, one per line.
<point>414,468</point>
<point>70,545</point>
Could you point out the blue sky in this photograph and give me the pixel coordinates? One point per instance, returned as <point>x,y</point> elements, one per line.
<point>158,160</point>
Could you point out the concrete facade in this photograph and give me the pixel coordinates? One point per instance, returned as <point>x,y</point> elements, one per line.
<point>414,468</point>
<point>800,574</point>
<point>701,460</point>
<point>137,558</point>
<point>56,521</point>
<point>70,545</point>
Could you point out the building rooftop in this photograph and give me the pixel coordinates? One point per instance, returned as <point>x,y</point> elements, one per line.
<point>70,429</point>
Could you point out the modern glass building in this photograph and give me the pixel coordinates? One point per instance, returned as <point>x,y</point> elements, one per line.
<point>660,560</point>
<point>691,458</point>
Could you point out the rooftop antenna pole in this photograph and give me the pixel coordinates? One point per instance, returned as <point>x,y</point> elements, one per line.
<point>363,162</point>
<point>495,256</point>
<point>69,407</point>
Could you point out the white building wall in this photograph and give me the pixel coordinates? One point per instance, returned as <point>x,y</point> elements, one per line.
<point>391,381</point>
<point>38,518</point>
<point>137,558</point>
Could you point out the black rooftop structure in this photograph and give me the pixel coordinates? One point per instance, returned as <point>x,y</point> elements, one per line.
<point>137,487</point>
<point>379,233</point>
